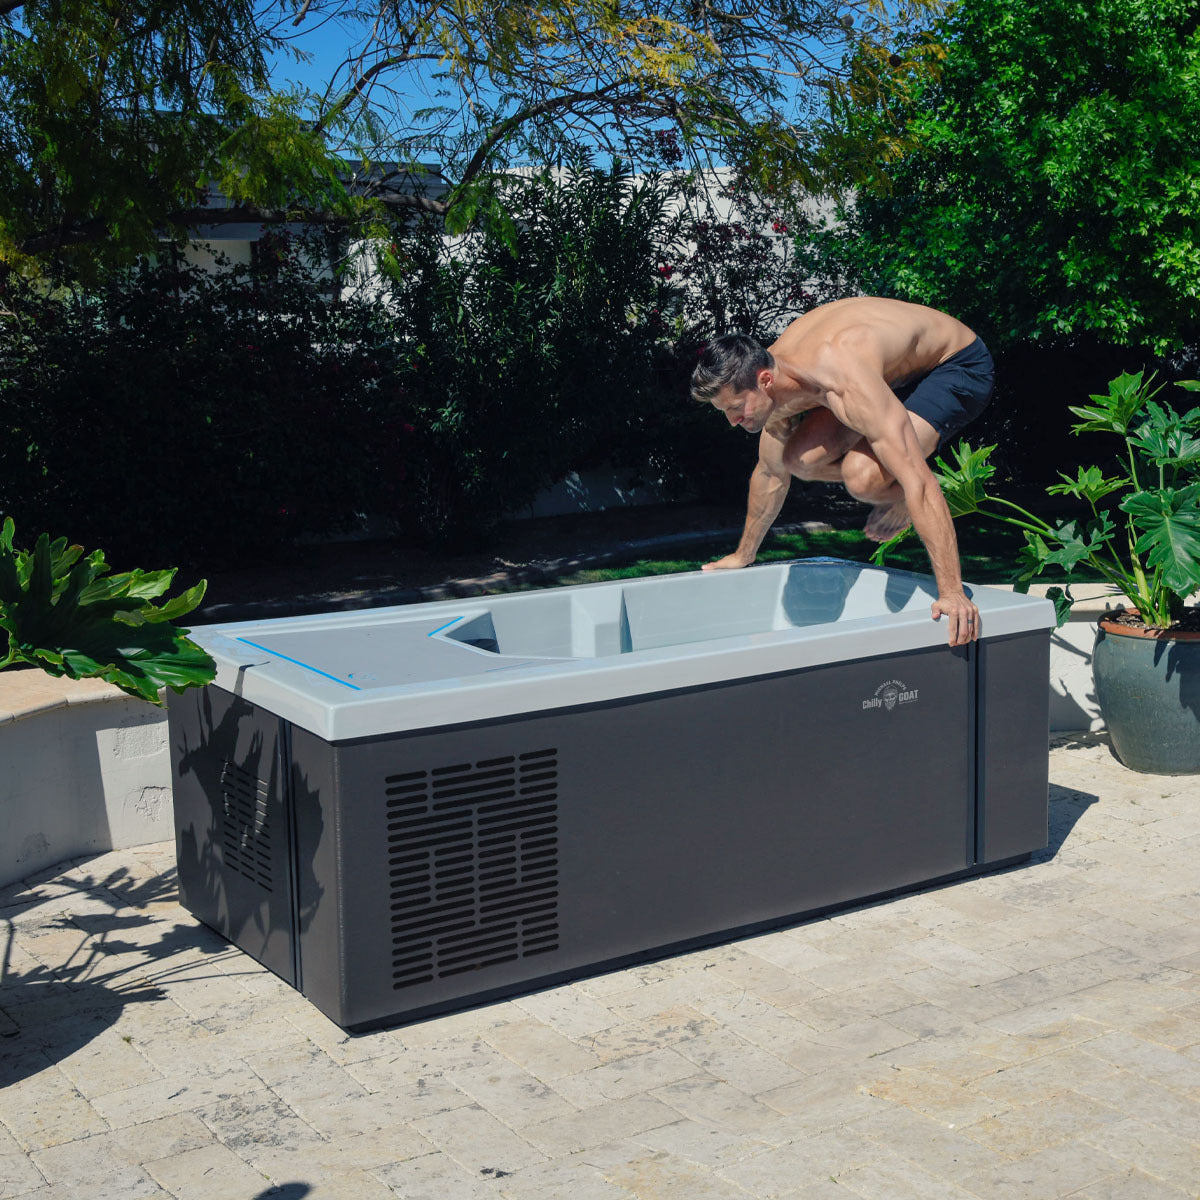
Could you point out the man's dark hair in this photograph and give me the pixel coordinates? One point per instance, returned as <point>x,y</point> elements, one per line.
<point>731,361</point>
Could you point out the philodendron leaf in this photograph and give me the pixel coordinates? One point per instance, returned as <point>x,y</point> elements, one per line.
<point>1168,524</point>
<point>62,559</point>
<point>963,484</point>
<point>1127,394</point>
<point>1074,545</point>
<point>140,661</point>
<point>172,610</point>
<point>40,575</point>
<point>1090,484</point>
<point>1063,600</point>
<point>1032,557</point>
<point>1165,439</point>
<point>63,612</point>
<point>881,552</point>
<point>130,586</point>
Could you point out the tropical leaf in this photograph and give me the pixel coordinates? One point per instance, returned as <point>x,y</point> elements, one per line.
<point>130,585</point>
<point>1113,413</point>
<point>1168,522</point>
<point>139,661</point>
<point>1063,600</point>
<point>881,552</point>
<point>64,613</point>
<point>1075,545</point>
<point>1031,558</point>
<point>1089,484</point>
<point>1165,439</point>
<point>963,484</point>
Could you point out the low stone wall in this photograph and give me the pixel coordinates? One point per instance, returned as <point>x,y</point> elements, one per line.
<point>83,769</point>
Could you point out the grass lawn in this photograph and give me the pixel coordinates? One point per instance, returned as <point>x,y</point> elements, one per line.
<point>989,554</point>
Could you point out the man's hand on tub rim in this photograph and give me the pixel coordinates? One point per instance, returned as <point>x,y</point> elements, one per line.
<point>963,620</point>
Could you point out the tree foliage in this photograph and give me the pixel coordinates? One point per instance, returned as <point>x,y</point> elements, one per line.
<point>736,265</point>
<point>1054,188</point>
<point>116,113</point>
<point>184,415</point>
<point>527,365</point>
<point>752,81</point>
<point>214,416</point>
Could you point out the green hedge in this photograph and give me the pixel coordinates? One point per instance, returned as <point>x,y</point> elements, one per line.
<point>209,417</point>
<point>191,415</point>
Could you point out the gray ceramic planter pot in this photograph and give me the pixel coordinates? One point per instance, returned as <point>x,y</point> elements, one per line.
<point>1148,689</point>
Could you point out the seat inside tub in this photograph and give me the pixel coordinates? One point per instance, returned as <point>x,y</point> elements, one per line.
<point>619,618</point>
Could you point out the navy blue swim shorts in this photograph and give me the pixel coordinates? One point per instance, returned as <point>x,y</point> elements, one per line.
<point>954,393</point>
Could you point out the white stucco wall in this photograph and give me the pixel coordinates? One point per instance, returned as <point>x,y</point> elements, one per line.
<point>83,769</point>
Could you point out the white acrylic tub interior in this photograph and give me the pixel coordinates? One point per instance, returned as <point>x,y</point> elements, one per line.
<point>622,618</point>
<point>345,675</point>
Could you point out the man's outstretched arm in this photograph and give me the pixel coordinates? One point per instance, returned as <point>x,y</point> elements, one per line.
<point>860,398</point>
<point>769,484</point>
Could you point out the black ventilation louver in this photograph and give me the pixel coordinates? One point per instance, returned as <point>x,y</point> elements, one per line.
<point>246,825</point>
<point>473,861</point>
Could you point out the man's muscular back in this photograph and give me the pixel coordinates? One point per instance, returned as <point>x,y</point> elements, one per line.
<point>900,339</point>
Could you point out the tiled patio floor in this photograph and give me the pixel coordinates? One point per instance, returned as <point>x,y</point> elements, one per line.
<point>1029,1034</point>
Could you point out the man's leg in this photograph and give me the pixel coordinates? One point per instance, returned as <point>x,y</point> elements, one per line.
<point>939,405</point>
<point>826,450</point>
<point>815,451</point>
<point>867,480</point>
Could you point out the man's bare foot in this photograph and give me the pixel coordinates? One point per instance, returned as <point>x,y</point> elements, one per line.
<point>887,520</point>
<point>730,560</point>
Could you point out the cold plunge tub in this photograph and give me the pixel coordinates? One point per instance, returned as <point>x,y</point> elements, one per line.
<point>407,810</point>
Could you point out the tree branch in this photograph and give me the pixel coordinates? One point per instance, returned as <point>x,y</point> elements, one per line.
<point>502,129</point>
<point>54,239</point>
<point>408,200</point>
<point>360,84</point>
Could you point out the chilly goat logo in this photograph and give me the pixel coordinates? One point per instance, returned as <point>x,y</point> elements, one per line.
<point>889,694</point>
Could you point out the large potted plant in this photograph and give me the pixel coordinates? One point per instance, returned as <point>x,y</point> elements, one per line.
<point>1138,529</point>
<point>63,612</point>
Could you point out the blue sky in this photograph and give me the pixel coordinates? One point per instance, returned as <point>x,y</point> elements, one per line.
<point>327,42</point>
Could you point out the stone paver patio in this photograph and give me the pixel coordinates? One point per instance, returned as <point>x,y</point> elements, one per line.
<point>1034,1033</point>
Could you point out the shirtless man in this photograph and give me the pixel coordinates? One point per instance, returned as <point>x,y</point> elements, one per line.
<point>888,384</point>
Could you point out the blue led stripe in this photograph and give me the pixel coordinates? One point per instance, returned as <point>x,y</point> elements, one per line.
<point>452,621</point>
<point>315,670</point>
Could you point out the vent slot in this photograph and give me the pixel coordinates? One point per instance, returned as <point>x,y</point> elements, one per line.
<point>246,825</point>
<point>472,855</point>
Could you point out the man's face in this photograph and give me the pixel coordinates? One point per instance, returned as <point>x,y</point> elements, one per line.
<point>750,409</point>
